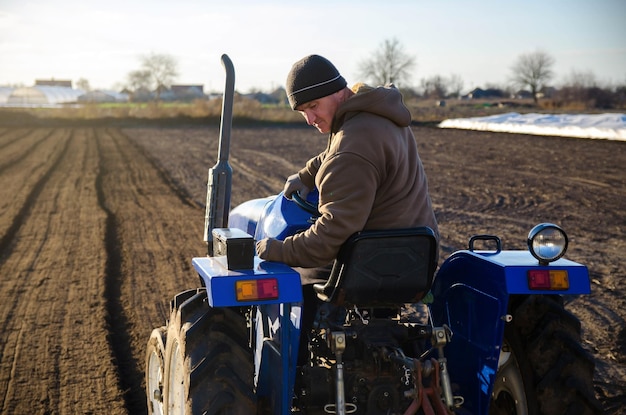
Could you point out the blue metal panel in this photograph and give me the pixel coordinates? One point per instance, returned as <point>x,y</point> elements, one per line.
<point>470,297</point>
<point>271,217</point>
<point>246,216</point>
<point>220,282</point>
<point>278,337</point>
<point>282,217</point>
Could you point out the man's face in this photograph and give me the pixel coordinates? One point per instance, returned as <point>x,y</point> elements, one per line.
<point>320,112</point>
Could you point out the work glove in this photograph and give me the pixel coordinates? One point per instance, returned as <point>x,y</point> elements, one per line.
<point>268,249</point>
<point>294,184</point>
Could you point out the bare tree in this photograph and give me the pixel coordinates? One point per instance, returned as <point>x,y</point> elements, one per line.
<point>582,88</point>
<point>83,84</point>
<point>389,64</point>
<point>576,86</point>
<point>434,87</point>
<point>139,79</point>
<point>533,70</point>
<point>162,70</point>
<point>139,82</point>
<point>580,79</point>
<point>455,85</point>
<point>439,87</point>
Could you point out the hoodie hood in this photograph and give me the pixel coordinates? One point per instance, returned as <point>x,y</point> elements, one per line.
<point>384,101</point>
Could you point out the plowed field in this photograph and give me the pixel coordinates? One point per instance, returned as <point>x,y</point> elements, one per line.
<point>98,227</point>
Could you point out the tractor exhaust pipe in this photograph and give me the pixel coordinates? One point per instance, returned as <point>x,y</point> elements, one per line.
<point>219,183</point>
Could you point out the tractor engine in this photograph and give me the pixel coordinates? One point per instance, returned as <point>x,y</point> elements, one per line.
<point>378,377</point>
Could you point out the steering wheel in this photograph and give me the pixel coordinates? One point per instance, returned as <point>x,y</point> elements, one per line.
<point>305,204</point>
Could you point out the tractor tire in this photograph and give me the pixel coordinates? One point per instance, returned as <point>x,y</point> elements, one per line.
<point>543,368</point>
<point>208,364</point>
<point>155,356</point>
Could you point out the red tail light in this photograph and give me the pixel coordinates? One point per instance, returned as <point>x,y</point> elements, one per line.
<point>543,279</point>
<point>258,289</point>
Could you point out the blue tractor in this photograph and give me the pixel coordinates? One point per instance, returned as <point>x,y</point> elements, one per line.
<point>485,333</point>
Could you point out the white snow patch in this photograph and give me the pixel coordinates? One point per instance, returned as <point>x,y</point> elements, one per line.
<point>609,126</point>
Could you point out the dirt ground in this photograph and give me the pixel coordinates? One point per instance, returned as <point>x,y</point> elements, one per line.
<point>98,227</point>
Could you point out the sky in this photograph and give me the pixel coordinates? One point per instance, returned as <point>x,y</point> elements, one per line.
<point>478,41</point>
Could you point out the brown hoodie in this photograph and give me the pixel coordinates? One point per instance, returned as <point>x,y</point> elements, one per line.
<point>369,177</point>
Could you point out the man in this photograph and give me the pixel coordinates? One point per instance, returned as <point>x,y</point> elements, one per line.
<point>369,176</point>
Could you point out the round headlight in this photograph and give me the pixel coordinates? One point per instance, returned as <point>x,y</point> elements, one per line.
<point>547,242</point>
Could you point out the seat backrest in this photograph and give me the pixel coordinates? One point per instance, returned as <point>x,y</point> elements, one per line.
<point>382,267</point>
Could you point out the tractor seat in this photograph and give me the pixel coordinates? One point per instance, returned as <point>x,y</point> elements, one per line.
<point>381,268</point>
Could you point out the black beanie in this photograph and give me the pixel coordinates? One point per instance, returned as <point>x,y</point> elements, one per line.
<point>310,78</point>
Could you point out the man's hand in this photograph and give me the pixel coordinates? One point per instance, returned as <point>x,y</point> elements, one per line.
<point>263,248</point>
<point>294,184</point>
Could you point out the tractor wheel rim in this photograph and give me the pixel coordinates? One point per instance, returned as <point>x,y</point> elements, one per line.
<point>508,388</point>
<point>176,390</point>
<point>155,383</point>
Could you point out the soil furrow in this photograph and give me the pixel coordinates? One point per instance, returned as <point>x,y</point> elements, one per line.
<point>174,185</point>
<point>18,220</point>
<point>22,151</point>
<point>15,299</point>
<point>128,369</point>
<point>63,364</point>
<point>9,137</point>
<point>13,367</point>
<point>150,241</point>
<point>18,182</point>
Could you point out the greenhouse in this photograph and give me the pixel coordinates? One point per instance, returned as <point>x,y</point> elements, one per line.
<point>43,96</point>
<point>5,91</point>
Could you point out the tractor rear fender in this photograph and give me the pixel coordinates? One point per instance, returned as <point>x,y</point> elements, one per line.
<point>471,293</point>
<point>265,283</point>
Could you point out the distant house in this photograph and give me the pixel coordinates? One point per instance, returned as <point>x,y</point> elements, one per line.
<point>263,98</point>
<point>547,92</point>
<point>53,82</point>
<point>194,90</point>
<point>479,93</point>
<point>139,95</point>
<point>183,93</point>
<point>523,94</point>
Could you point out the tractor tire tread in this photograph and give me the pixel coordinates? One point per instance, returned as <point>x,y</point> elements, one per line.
<point>219,360</point>
<point>562,368</point>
